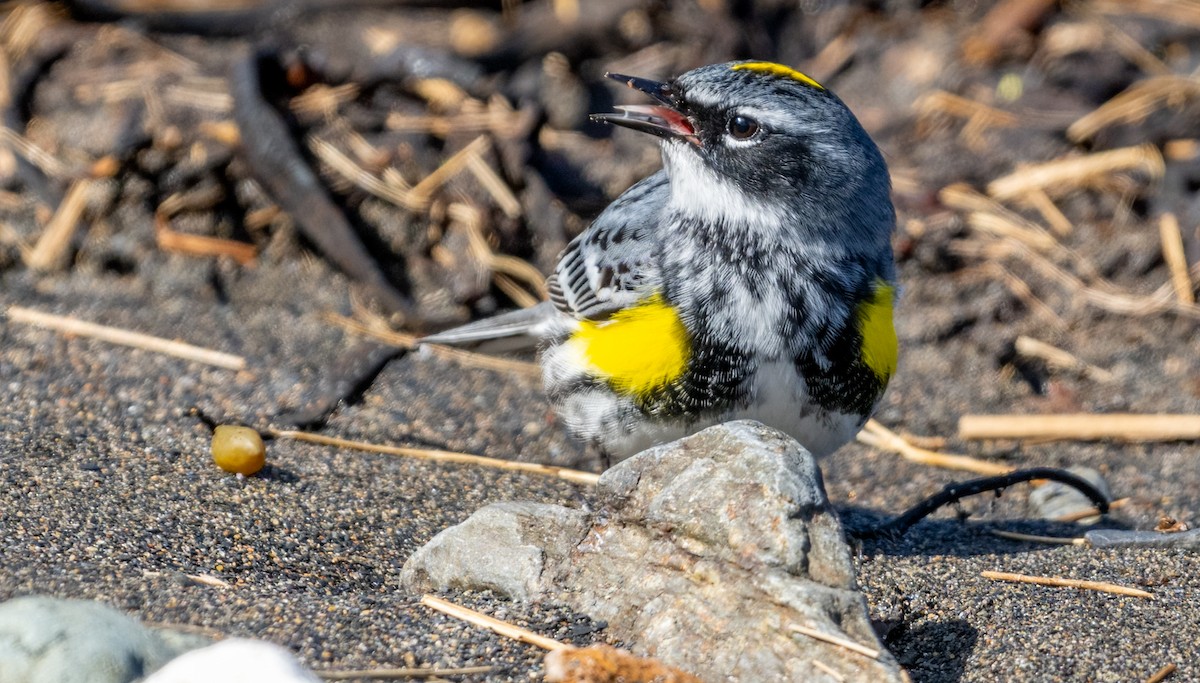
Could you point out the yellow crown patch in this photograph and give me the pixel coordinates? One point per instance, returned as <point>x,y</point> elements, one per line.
<point>778,70</point>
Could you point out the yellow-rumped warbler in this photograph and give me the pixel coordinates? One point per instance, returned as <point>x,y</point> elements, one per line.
<point>752,277</point>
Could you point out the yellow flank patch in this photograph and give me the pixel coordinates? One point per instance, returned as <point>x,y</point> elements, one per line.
<point>778,70</point>
<point>637,349</point>
<point>879,348</point>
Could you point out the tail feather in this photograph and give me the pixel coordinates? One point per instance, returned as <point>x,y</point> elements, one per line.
<point>512,331</point>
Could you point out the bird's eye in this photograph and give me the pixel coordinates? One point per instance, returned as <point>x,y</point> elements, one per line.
<point>742,127</point>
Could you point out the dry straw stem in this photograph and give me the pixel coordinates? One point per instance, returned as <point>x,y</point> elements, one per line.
<point>1102,586</point>
<point>202,579</point>
<point>114,335</point>
<point>412,342</point>
<point>1186,12</point>
<point>988,215</point>
<point>392,674</point>
<point>491,623</point>
<point>1074,172</point>
<point>363,179</point>
<point>50,252</point>
<point>514,267</point>
<point>828,670</point>
<point>1059,359</point>
<point>876,435</point>
<point>1031,538</point>
<point>200,245</point>
<point>835,640</point>
<point>573,476</point>
<point>945,103</point>
<point>44,161</point>
<point>1161,675</point>
<point>1081,427</point>
<point>1136,103</point>
<point>1173,254</point>
<point>1102,294</point>
<point>1058,221</point>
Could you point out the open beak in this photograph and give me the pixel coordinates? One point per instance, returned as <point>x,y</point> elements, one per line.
<point>663,120</point>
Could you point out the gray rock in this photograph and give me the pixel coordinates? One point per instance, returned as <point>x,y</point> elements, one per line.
<point>50,640</point>
<point>1118,538</point>
<point>703,553</point>
<point>502,547</point>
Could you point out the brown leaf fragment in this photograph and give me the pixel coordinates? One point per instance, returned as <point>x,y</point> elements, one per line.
<point>607,664</point>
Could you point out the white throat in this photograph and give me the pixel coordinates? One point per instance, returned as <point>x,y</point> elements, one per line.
<point>697,191</point>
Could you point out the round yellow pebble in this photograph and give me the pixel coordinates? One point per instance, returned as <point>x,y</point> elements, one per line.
<point>238,449</point>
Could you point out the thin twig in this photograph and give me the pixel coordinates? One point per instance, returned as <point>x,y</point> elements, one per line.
<point>114,335</point>
<point>1032,538</point>
<point>573,476</point>
<point>1081,427</point>
<point>354,674</point>
<point>51,248</point>
<point>1162,674</point>
<point>877,436</point>
<point>1102,586</point>
<point>1077,171</point>
<point>1175,258</point>
<point>491,623</point>
<point>835,640</point>
<point>1060,359</point>
<point>828,670</point>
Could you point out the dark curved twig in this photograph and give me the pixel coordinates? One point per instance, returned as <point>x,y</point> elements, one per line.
<point>953,493</point>
<point>277,163</point>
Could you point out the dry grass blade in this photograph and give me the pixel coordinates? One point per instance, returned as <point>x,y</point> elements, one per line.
<point>423,190</point>
<point>1002,226</point>
<point>1136,103</point>
<point>51,250</point>
<point>392,674</point>
<point>1075,172</point>
<point>495,186</point>
<point>945,103</point>
<point>412,342</point>
<point>1104,295</point>
<point>835,640</point>
<point>828,670</point>
<point>512,266</point>
<point>114,335</point>
<point>1102,586</point>
<point>573,476</point>
<point>491,623</point>
<point>200,579</point>
<point>46,162</point>
<point>364,179</point>
<point>1031,538</point>
<point>1175,258</point>
<point>1059,359</point>
<point>1058,221</point>
<point>1081,427</point>
<point>1185,12</point>
<point>988,215</point>
<point>200,245</point>
<point>1161,675</point>
<point>876,435</point>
